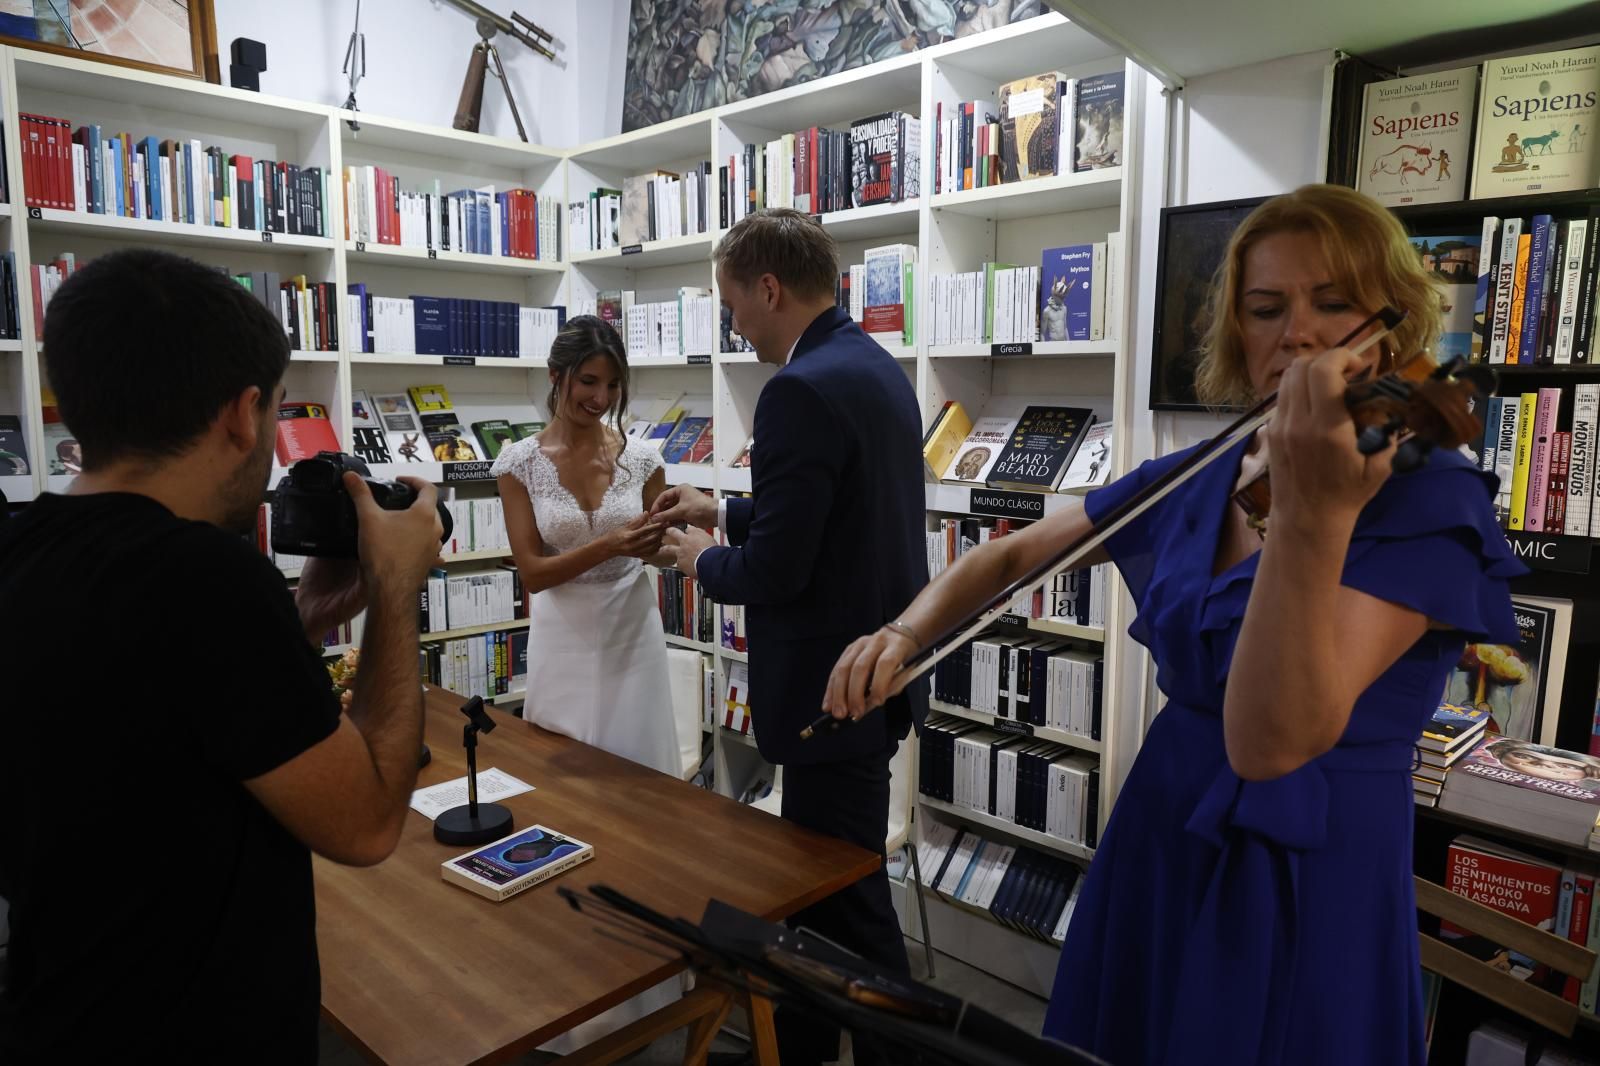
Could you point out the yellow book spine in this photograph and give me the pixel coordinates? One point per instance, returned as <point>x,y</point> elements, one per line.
<point>1519,293</point>
<point>953,429</point>
<point>1526,413</point>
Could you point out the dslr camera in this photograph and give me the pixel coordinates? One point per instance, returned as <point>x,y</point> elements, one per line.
<point>312,514</point>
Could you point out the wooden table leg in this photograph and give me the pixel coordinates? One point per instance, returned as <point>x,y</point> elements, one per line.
<point>763,1030</point>
<point>703,1009</point>
<point>697,1044</point>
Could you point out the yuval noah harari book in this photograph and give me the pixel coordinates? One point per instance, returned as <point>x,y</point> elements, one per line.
<point>1416,137</point>
<point>1536,124</point>
<point>516,863</point>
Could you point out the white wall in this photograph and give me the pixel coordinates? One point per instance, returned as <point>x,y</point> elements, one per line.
<point>417,53</point>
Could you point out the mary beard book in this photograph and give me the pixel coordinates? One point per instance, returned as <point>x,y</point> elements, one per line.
<point>1041,445</point>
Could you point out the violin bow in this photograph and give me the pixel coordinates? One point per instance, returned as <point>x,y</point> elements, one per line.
<point>947,642</point>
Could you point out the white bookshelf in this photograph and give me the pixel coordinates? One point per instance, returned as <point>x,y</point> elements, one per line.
<point>953,231</point>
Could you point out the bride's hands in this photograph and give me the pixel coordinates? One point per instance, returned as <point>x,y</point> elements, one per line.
<point>640,538</point>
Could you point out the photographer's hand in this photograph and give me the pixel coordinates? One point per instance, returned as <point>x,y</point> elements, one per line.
<point>330,593</point>
<point>397,547</point>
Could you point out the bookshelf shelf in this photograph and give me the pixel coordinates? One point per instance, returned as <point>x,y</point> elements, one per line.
<point>746,739</point>
<point>18,488</point>
<point>1066,629</point>
<point>473,631</point>
<point>466,557</point>
<point>957,499</point>
<point>508,697</point>
<point>694,248</point>
<point>880,220</point>
<point>1041,196</point>
<point>60,483</point>
<point>10,345</point>
<point>700,475</point>
<point>646,362</point>
<point>693,645</point>
<point>407,359</point>
<point>730,480</point>
<point>1071,740</point>
<point>1010,829</point>
<point>416,138</point>
<point>379,254</point>
<point>438,473</point>
<point>737,358</point>
<point>84,224</point>
<point>305,356</point>
<point>1466,821</point>
<point>5,210</point>
<point>679,138</point>
<point>889,85</point>
<point>733,656</point>
<point>1040,350</point>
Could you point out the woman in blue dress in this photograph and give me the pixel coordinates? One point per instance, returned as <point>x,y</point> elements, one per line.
<point>1251,900</point>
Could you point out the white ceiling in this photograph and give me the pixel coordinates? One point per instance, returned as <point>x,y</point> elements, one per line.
<point>1179,39</point>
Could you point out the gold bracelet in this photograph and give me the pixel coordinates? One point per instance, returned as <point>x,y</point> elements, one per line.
<point>905,631</point>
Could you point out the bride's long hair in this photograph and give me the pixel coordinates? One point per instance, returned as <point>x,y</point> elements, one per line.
<point>582,338</point>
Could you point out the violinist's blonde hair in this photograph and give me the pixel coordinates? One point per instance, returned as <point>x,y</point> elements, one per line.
<point>1371,260</point>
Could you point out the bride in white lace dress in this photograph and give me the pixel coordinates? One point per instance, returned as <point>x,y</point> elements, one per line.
<point>577,499</point>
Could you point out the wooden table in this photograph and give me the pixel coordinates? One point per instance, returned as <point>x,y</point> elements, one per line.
<point>416,970</point>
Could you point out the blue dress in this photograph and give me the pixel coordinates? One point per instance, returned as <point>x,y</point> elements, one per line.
<point>1233,922</point>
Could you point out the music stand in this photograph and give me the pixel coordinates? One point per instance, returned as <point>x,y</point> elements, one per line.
<point>473,823</point>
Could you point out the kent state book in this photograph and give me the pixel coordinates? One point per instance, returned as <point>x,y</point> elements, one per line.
<point>515,863</point>
<point>1536,124</point>
<point>1041,445</point>
<point>1416,137</point>
<point>1520,685</point>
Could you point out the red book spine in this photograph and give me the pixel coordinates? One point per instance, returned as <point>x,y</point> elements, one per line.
<point>1555,514</point>
<point>1578,931</point>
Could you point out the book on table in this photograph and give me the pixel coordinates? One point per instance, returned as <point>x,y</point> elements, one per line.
<point>516,863</point>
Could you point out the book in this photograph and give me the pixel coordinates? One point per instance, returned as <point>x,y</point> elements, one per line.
<point>524,430</point>
<point>1452,729</point>
<point>1453,261</point>
<point>1533,788</point>
<point>516,863</point>
<point>1091,464</point>
<point>886,307</point>
<point>371,446</point>
<point>879,160</point>
<point>429,398</point>
<point>1098,144</point>
<point>493,434</point>
<point>1030,126</point>
<point>1509,881</point>
<point>303,431</point>
<point>742,460</point>
<point>682,440</point>
<point>447,439</point>
<point>401,427</point>
<point>1040,446</point>
<point>13,448</point>
<point>1536,124</point>
<point>1066,276</point>
<point>977,454</point>
<point>950,427</point>
<point>1520,685</point>
<point>1416,136</point>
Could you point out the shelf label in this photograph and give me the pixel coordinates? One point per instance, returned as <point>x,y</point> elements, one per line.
<point>1002,503</point>
<point>266,236</point>
<point>1011,621</point>
<point>460,360</point>
<point>433,253</point>
<point>632,249</point>
<point>1020,348</point>
<point>1540,551</point>
<point>1011,725</point>
<point>478,471</point>
<point>34,212</point>
<point>703,359</point>
<point>361,246</point>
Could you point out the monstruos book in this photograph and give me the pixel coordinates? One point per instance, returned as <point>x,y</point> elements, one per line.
<point>1041,445</point>
<point>1416,137</point>
<point>516,863</point>
<point>1532,788</point>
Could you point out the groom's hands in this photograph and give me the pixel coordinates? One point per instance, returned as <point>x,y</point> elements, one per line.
<point>684,504</point>
<point>685,546</point>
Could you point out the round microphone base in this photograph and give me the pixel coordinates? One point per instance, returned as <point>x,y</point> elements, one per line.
<point>458,826</point>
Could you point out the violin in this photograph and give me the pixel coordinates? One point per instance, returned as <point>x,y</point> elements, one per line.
<point>1424,405</point>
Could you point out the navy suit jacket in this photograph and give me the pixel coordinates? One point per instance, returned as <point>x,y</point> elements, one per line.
<point>832,543</point>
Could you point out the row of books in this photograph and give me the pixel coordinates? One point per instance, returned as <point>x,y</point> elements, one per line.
<point>736,701</point>
<point>486,664</point>
<point>479,525</point>
<point>1556,898</point>
<point>1045,124</point>
<point>1026,890</point>
<point>1033,783</point>
<point>667,422</point>
<point>1075,596</point>
<point>1046,448</point>
<point>887,291</point>
<point>1537,277</point>
<point>817,170</point>
<point>1525,122</point>
<point>483,597</point>
<point>662,205</point>
<point>88,171</point>
<point>686,610</point>
<point>1545,473</point>
<point>10,316</point>
<point>1040,681</point>
<point>443,325</point>
<point>516,223</point>
<point>670,329</point>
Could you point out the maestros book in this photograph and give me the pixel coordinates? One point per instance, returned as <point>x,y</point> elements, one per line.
<point>1416,137</point>
<point>512,864</point>
<point>1536,124</point>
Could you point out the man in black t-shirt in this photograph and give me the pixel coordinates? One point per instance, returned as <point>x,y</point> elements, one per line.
<point>171,751</point>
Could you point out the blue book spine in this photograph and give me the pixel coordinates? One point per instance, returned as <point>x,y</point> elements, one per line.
<point>503,203</point>
<point>152,178</point>
<point>1538,250</point>
<point>1490,447</point>
<point>118,173</point>
<point>261,203</point>
<point>97,162</point>
<point>186,181</point>
<point>431,318</point>
<point>485,230</point>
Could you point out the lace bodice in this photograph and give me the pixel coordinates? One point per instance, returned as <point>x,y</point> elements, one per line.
<point>563,525</point>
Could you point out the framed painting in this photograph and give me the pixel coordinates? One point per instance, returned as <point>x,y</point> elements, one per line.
<point>165,36</point>
<point>1192,242</point>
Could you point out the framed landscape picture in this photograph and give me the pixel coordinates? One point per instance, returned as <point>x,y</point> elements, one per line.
<point>166,36</point>
<point>1193,239</point>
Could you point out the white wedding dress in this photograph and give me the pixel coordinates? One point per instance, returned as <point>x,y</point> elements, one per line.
<point>597,655</point>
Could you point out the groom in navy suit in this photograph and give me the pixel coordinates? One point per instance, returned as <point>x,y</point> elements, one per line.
<point>830,546</point>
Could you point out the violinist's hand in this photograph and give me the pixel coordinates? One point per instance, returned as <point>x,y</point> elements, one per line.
<point>1319,479</point>
<point>866,674</point>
